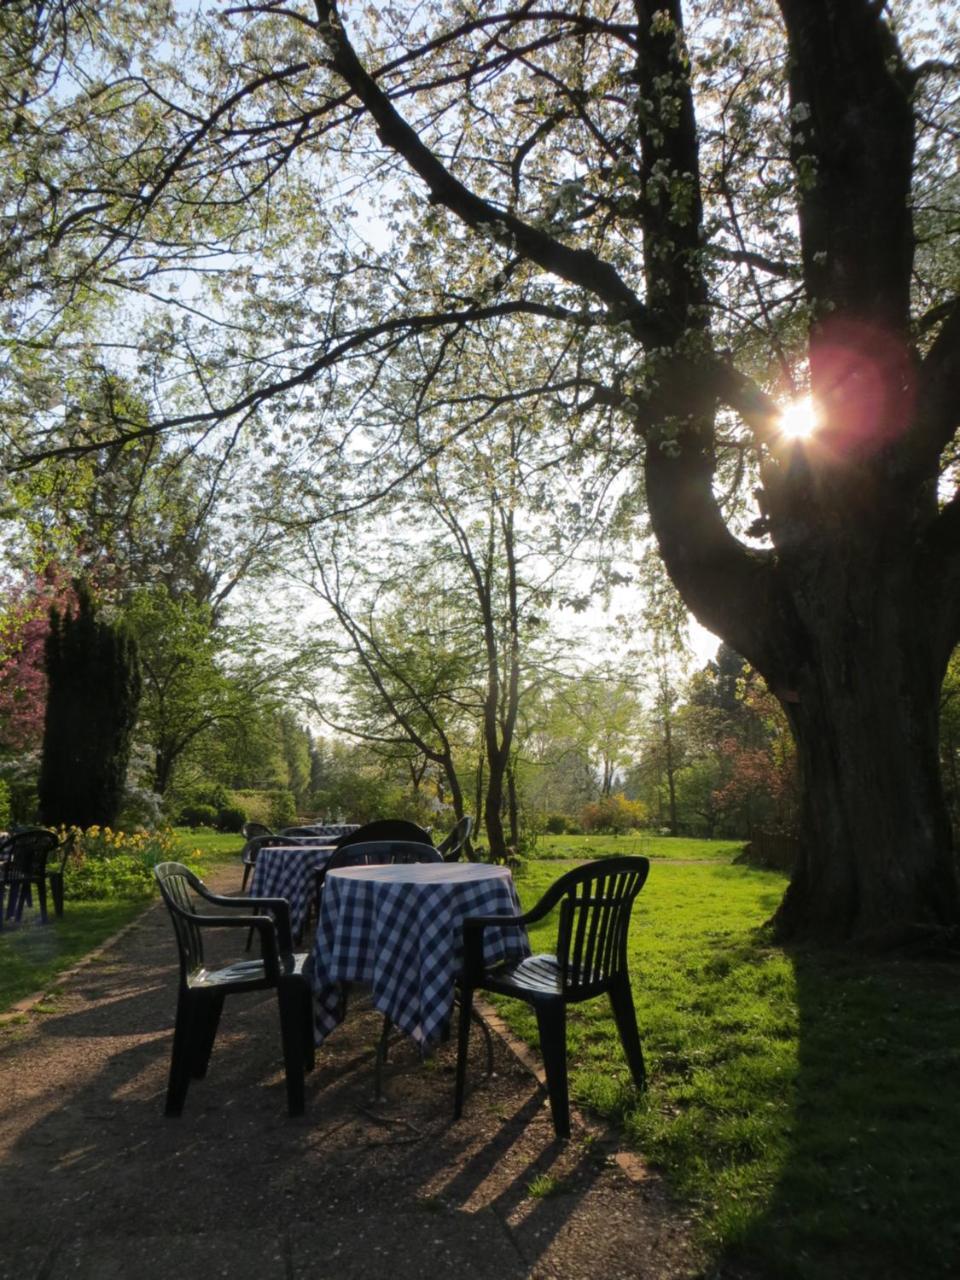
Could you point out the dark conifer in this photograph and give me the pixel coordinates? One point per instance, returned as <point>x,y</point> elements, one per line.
<point>92,700</point>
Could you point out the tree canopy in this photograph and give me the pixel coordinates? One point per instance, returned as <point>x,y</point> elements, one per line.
<point>303,220</point>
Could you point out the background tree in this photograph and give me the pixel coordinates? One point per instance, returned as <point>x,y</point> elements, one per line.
<point>201,681</point>
<point>93,696</point>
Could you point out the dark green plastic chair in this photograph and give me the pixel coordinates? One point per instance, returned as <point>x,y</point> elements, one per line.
<point>203,990</point>
<point>453,846</point>
<point>595,903</point>
<point>23,868</point>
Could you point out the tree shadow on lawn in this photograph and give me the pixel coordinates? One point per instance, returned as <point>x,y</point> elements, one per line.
<point>869,1187</point>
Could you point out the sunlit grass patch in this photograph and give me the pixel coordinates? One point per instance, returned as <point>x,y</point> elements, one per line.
<point>805,1104</point>
<point>635,842</point>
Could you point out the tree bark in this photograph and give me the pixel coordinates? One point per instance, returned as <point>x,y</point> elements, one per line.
<point>876,863</point>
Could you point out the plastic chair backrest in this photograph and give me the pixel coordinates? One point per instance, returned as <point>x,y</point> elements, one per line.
<point>25,854</point>
<point>596,902</point>
<point>386,829</point>
<point>251,829</point>
<point>452,846</point>
<point>380,852</point>
<point>176,881</point>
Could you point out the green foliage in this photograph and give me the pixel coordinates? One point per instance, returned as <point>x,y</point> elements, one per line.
<point>94,692</point>
<point>197,815</point>
<point>614,814</point>
<point>4,804</point>
<point>213,794</point>
<point>230,819</point>
<point>556,824</point>
<point>255,805</point>
<point>105,864</point>
<point>283,809</point>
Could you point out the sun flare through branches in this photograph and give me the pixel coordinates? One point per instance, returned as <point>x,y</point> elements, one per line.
<point>799,419</point>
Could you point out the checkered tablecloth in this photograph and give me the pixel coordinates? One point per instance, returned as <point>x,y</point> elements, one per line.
<point>399,930</point>
<point>286,871</point>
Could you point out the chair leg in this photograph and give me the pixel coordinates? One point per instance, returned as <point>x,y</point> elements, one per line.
<point>42,898</point>
<point>381,1058</point>
<point>56,889</point>
<point>487,1039</point>
<point>309,1041</point>
<point>552,1025</point>
<point>290,1001</point>
<point>180,1058</point>
<point>206,1020</point>
<point>463,1043</point>
<point>625,1015</point>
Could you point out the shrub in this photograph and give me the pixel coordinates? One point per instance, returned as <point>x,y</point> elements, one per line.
<point>556,824</point>
<point>4,805</point>
<point>283,809</point>
<point>614,814</point>
<point>197,815</point>
<point>106,864</point>
<point>272,808</point>
<point>230,819</point>
<point>214,794</point>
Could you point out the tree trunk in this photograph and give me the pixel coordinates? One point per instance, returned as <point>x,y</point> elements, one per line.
<point>876,861</point>
<point>493,811</point>
<point>513,808</point>
<point>671,773</point>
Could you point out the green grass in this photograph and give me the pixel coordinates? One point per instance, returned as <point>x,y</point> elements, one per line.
<point>651,846</point>
<point>211,846</point>
<point>805,1104</point>
<point>32,954</point>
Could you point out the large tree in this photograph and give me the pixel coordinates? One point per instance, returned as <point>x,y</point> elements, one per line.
<point>701,224</point>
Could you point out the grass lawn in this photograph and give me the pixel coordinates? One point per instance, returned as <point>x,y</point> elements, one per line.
<point>595,846</point>
<point>210,846</point>
<point>806,1104</point>
<point>31,954</point>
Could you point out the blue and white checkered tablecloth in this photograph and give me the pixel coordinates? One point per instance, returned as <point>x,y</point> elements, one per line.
<point>286,871</point>
<point>399,929</point>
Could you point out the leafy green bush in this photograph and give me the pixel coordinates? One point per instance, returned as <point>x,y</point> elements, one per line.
<point>230,819</point>
<point>283,809</point>
<point>105,864</point>
<point>4,805</point>
<point>197,815</point>
<point>616,814</point>
<point>214,794</point>
<point>556,824</point>
<point>272,808</point>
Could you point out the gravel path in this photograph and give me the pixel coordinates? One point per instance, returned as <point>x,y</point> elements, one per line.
<point>98,1185</point>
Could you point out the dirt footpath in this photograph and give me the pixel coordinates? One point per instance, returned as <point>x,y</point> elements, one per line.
<point>96,1184</point>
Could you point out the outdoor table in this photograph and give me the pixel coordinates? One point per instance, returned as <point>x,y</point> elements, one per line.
<point>287,871</point>
<point>398,928</point>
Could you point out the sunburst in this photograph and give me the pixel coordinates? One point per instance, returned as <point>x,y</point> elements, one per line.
<point>799,419</point>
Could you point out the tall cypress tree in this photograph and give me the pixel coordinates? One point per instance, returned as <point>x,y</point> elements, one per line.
<point>93,695</point>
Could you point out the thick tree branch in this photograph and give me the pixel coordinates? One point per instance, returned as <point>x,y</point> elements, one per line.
<point>578,267</point>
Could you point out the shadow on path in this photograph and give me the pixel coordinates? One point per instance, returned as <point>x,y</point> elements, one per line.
<point>98,1183</point>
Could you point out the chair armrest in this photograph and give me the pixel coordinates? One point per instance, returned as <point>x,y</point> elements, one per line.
<point>267,928</point>
<point>278,917</point>
<point>473,927</point>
